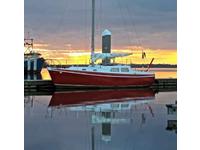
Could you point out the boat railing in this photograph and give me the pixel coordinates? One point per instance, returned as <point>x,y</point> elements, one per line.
<point>54,63</point>
<point>63,63</point>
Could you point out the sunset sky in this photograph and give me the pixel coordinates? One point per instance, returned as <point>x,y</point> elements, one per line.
<point>61,29</point>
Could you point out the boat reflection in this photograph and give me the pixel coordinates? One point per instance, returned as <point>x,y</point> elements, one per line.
<point>32,76</point>
<point>80,98</point>
<point>172,123</point>
<point>106,107</point>
<point>28,101</point>
<point>171,109</point>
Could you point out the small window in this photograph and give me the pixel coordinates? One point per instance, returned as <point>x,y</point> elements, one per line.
<point>114,69</point>
<point>124,70</point>
<point>115,105</point>
<point>83,69</point>
<point>124,105</point>
<point>94,69</point>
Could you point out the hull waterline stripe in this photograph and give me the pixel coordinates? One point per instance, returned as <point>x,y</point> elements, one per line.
<point>103,86</point>
<point>99,75</point>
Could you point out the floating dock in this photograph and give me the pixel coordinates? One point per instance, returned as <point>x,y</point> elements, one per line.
<point>47,85</point>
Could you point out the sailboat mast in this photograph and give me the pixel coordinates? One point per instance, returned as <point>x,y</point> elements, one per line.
<point>93,31</point>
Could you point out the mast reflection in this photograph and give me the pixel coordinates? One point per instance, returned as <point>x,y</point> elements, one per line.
<point>105,106</point>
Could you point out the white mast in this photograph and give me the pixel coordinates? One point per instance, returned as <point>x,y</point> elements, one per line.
<point>93,31</point>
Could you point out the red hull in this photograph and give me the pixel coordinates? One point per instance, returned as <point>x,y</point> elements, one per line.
<point>77,78</point>
<point>99,96</point>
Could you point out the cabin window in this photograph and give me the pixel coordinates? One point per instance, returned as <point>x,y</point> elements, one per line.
<point>124,105</point>
<point>83,69</point>
<point>94,69</point>
<point>124,70</point>
<point>115,105</point>
<point>114,70</point>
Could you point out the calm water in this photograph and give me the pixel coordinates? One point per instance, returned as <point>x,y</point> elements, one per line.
<point>101,120</point>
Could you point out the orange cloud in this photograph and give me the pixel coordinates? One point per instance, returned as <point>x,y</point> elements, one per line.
<point>162,56</point>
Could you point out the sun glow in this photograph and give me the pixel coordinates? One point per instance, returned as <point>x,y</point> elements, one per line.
<point>83,56</point>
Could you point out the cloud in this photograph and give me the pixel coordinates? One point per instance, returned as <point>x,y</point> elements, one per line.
<point>153,22</point>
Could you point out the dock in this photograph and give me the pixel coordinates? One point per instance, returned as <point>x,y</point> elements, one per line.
<point>169,84</point>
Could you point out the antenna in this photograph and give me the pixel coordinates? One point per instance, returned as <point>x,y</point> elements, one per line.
<point>28,43</point>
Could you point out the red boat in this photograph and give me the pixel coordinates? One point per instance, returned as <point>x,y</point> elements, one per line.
<point>76,98</point>
<point>102,76</point>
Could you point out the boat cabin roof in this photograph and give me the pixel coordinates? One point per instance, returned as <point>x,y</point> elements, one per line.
<point>123,69</point>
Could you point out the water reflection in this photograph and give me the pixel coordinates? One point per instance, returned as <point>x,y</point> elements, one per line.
<point>105,107</point>
<point>101,120</point>
<point>32,76</point>
<point>88,98</point>
<point>171,109</point>
<point>172,123</point>
<point>28,101</point>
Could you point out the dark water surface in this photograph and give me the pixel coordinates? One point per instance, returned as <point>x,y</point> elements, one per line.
<point>101,120</point>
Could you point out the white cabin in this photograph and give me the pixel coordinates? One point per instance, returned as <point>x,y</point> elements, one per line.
<point>122,69</point>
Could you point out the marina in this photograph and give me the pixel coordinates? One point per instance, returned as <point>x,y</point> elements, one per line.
<point>99,79</point>
<point>101,75</point>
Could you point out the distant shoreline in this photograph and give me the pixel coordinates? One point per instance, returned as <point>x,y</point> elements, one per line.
<point>132,65</point>
<point>154,65</point>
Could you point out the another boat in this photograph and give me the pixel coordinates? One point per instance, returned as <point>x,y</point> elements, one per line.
<point>101,75</point>
<point>33,61</point>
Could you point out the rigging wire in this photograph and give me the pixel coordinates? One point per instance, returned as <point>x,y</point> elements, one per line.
<point>61,16</point>
<point>124,20</point>
<point>33,30</point>
<point>134,25</point>
<point>86,31</point>
<point>101,15</point>
<point>138,39</point>
<point>97,24</point>
<point>136,34</point>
